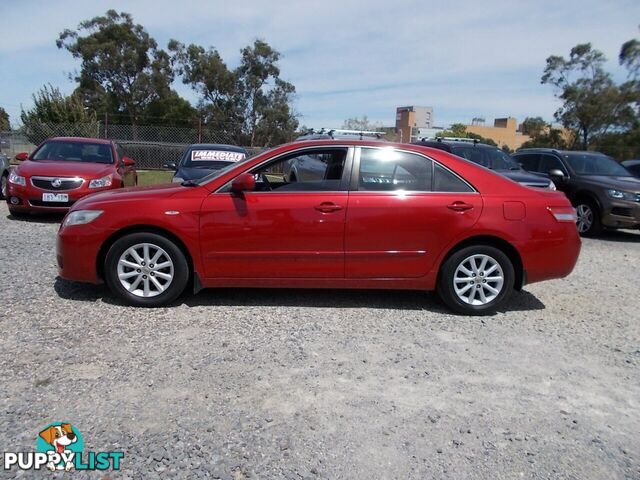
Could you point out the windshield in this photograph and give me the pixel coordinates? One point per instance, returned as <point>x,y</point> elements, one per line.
<point>492,158</point>
<point>68,151</point>
<point>595,164</point>
<point>213,159</point>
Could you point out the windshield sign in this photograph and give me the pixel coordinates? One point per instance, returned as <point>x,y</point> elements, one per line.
<point>216,155</point>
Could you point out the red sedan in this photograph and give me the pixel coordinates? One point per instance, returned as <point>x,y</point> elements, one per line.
<point>378,215</point>
<point>63,170</point>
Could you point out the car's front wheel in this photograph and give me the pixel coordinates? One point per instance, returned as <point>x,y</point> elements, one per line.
<point>146,269</point>
<point>588,218</point>
<point>476,280</point>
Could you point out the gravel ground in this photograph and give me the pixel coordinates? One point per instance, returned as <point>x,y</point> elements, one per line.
<point>319,384</point>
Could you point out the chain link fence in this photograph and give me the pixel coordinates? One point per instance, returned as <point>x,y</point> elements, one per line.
<point>151,146</point>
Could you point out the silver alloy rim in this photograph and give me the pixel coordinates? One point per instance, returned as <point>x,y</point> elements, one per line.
<point>478,280</point>
<point>3,186</point>
<point>585,218</point>
<point>145,270</point>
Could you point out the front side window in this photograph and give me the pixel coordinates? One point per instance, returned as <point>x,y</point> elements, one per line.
<point>308,171</point>
<point>529,161</point>
<point>389,170</point>
<point>549,162</point>
<point>61,150</point>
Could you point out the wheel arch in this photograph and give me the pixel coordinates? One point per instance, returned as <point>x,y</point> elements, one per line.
<point>585,195</point>
<point>118,234</point>
<point>503,245</point>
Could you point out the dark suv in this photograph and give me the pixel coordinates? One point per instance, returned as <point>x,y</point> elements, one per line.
<point>604,193</point>
<point>490,157</point>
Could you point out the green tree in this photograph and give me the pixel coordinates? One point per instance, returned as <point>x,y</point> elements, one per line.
<point>455,130</point>
<point>50,109</point>
<point>219,99</point>
<point>122,69</point>
<point>592,102</point>
<point>630,57</point>
<point>552,138</point>
<point>534,126</point>
<point>4,120</point>
<point>258,70</point>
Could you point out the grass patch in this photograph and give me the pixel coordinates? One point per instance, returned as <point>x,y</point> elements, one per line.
<point>154,177</point>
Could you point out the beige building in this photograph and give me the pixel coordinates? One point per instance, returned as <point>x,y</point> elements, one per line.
<point>409,120</point>
<point>504,132</point>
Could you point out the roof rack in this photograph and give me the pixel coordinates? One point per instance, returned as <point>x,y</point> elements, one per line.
<point>339,131</point>
<point>453,139</point>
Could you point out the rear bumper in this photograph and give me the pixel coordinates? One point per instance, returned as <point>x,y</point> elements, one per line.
<point>552,257</point>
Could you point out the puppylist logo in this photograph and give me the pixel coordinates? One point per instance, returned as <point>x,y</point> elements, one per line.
<point>60,447</point>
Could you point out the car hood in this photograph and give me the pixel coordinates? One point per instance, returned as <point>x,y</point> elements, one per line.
<point>50,168</point>
<point>522,176</point>
<point>187,173</point>
<point>620,183</point>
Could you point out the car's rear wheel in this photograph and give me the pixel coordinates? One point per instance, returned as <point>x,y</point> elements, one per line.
<point>588,222</point>
<point>146,269</point>
<point>476,280</point>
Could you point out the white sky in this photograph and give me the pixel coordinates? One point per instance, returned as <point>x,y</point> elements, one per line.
<point>347,58</point>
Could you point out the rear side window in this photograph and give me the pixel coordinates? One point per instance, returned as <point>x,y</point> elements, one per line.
<point>389,170</point>
<point>445,181</point>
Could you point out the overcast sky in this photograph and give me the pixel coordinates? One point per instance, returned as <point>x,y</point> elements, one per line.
<point>350,57</point>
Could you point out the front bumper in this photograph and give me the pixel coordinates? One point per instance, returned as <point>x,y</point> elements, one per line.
<point>28,198</point>
<point>77,251</point>
<point>621,214</point>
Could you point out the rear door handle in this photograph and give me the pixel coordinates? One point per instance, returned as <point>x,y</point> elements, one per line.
<point>459,206</point>
<point>328,207</point>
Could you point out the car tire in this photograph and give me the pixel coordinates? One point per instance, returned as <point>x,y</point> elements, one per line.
<point>589,223</point>
<point>476,280</point>
<point>4,183</point>
<point>130,275</point>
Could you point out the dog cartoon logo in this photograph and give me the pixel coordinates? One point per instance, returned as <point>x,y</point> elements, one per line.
<point>62,439</point>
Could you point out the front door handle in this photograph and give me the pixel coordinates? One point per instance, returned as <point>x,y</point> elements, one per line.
<point>328,207</point>
<point>459,206</point>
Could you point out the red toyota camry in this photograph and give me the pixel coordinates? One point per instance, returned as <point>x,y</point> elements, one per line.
<point>63,170</point>
<point>376,215</point>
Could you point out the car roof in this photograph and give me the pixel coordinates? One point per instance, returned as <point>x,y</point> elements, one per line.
<point>104,141</point>
<point>631,162</point>
<point>219,146</point>
<point>560,152</point>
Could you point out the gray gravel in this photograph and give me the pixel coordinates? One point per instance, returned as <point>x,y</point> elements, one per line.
<point>320,384</point>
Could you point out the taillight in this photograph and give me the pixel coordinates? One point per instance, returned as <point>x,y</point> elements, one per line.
<point>564,214</point>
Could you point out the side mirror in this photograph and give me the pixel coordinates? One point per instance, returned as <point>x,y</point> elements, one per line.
<point>244,182</point>
<point>557,174</point>
<point>22,156</point>
<point>128,162</point>
<point>170,165</point>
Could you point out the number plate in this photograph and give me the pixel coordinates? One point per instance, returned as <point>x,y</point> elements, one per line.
<point>55,197</point>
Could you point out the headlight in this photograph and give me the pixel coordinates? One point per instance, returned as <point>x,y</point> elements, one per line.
<point>101,182</point>
<point>552,186</point>
<point>16,179</point>
<point>80,217</point>
<point>177,180</point>
<point>620,195</point>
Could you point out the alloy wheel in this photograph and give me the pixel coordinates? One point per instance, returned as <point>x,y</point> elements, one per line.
<point>145,270</point>
<point>478,279</point>
<point>3,186</point>
<point>585,217</point>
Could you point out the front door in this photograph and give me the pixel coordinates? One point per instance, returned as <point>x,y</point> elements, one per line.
<point>286,228</point>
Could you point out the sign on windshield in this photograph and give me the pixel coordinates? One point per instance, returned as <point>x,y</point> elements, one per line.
<point>216,155</point>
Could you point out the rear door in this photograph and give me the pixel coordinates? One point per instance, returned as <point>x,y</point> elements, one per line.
<point>404,208</point>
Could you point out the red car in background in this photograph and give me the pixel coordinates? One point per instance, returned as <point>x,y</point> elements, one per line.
<point>392,216</point>
<point>63,170</point>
